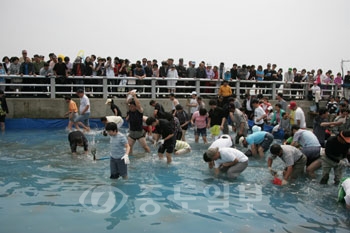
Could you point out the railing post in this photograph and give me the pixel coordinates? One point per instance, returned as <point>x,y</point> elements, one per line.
<point>53,87</point>
<point>153,88</point>
<point>198,85</point>
<point>238,86</point>
<point>273,91</point>
<point>335,90</point>
<point>105,87</point>
<point>306,90</point>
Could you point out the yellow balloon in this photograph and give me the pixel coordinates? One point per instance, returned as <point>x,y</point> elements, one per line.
<point>81,54</point>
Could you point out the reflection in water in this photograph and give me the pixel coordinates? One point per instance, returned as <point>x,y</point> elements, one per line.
<point>41,183</point>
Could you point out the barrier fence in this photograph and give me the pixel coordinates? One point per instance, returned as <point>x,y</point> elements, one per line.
<point>104,87</point>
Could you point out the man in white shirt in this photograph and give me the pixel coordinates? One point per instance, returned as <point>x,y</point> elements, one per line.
<point>259,114</point>
<point>84,110</point>
<point>299,116</point>
<point>223,141</point>
<point>116,119</point>
<point>229,160</point>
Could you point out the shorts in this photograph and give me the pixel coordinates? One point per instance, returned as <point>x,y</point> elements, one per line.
<point>74,117</point>
<point>311,153</point>
<point>184,127</point>
<point>202,132</point>
<point>135,135</point>
<point>83,118</point>
<point>168,146</point>
<point>267,142</point>
<point>118,167</point>
<point>2,118</point>
<point>298,167</point>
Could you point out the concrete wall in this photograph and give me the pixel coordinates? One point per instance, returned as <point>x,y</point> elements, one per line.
<point>56,108</point>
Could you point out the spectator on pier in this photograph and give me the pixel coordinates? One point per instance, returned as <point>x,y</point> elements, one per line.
<point>172,77</point>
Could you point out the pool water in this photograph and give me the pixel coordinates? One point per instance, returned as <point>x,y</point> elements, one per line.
<point>44,189</point>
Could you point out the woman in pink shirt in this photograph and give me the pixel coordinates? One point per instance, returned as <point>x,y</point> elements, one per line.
<point>199,120</point>
<point>338,80</point>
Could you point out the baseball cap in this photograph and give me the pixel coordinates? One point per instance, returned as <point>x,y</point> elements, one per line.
<point>292,104</point>
<point>194,93</point>
<point>256,128</point>
<point>345,134</point>
<point>108,101</point>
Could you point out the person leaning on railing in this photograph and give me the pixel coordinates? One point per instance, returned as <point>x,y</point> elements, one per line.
<point>60,71</point>
<point>47,72</point>
<point>14,70</point>
<point>27,68</point>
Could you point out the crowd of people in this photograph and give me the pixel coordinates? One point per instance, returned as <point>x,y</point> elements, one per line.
<point>168,75</point>
<point>234,125</point>
<point>255,128</point>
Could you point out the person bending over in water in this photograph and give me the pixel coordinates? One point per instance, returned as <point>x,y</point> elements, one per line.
<point>77,138</point>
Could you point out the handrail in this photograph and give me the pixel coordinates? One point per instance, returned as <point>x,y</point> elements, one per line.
<point>104,87</point>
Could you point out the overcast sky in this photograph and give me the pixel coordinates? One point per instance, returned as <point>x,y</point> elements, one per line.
<point>307,34</point>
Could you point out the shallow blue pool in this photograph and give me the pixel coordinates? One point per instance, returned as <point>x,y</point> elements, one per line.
<point>44,189</point>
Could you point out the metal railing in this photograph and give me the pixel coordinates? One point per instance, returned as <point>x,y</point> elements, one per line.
<point>104,87</point>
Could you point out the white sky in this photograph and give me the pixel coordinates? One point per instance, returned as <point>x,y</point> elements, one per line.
<point>307,34</point>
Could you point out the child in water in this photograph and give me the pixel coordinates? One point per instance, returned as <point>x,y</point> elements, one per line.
<point>119,152</point>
